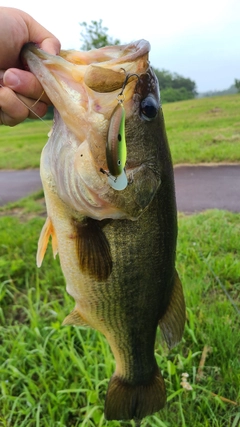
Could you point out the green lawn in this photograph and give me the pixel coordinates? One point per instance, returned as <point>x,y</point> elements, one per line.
<point>199,130</point>
<point>21,146</point>
<point>57,376</point>
<point>204,130</point>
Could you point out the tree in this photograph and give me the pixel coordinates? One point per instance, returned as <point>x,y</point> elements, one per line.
<point>237,84</point>
<point>164,78</point>
<point>175,87</point>
<point>94,36</point>
<point>173,95</point>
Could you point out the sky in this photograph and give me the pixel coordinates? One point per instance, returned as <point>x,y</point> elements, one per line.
<point>199,40</point>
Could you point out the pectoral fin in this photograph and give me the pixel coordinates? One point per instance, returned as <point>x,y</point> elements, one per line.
<point>47,231</point>
<point>74,318</point>
<point>173,321</point>
<point>93,249</point>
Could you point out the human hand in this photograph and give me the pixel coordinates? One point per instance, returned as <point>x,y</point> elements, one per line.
<point>16,29</point>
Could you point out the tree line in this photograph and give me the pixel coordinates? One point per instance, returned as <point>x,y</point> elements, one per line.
<point>174,87</point>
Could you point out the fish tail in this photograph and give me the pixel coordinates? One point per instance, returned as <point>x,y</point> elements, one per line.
<point>126,401</point>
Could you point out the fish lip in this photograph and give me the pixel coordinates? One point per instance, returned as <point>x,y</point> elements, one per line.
<point>130,53</point>
<point>137,49</point>
<point>35,49</point>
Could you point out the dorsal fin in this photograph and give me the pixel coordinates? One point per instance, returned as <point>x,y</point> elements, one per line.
<point>47,231</point>
<point>93,249</point>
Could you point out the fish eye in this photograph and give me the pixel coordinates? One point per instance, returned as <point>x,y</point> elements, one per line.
<point>149,108</point>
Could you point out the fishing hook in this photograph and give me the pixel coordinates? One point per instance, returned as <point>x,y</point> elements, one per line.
<point>128,76</point>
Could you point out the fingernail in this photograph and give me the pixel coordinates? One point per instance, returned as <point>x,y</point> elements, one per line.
<point>11,79</point>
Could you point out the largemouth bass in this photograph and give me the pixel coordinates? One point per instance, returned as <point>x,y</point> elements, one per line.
<point>111,212</point>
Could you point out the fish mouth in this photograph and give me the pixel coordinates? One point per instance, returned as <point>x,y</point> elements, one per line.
<point>80,84</point>
<point>101,69</point>
<point>84,89</point>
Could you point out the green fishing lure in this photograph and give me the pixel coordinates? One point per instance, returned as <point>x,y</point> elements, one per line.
<point>116,147</point>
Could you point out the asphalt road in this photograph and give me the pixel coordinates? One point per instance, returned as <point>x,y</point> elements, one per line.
<point>208,187</point>
<point>197,187</point>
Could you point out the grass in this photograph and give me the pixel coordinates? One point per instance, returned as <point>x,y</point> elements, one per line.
<point>199,130</point>
<point>204,130</point>
<point>57,376</point>
<point>21,146</point>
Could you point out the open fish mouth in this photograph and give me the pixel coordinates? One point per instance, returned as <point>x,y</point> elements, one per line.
<point>102,70</point>
<point>90,91</point>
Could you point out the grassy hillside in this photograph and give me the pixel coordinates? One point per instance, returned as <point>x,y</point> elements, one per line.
<point>21,146</point>
<point>199,130</point>
<point>204,130</point>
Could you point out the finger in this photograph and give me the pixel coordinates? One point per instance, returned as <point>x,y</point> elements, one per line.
<point>19,28</point>
<point>24,83</point>
<point>15,109</point>
<point>41,36</point>
<point>1,77</point>
<point>36,108</point>
<point>51,45</point>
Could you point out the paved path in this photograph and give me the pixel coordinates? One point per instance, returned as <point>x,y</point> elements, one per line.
<point>15,184</point>
<point>197,187</point>
<point>208,187</point>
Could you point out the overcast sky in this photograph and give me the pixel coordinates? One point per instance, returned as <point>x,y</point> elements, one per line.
<point>199,40</point>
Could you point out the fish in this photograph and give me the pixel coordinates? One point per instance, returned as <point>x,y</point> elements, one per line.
<point>108,181</point>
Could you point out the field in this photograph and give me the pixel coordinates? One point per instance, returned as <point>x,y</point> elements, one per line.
<point>200,130</point>
<point>204,130</point>
<point>54,376</point>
